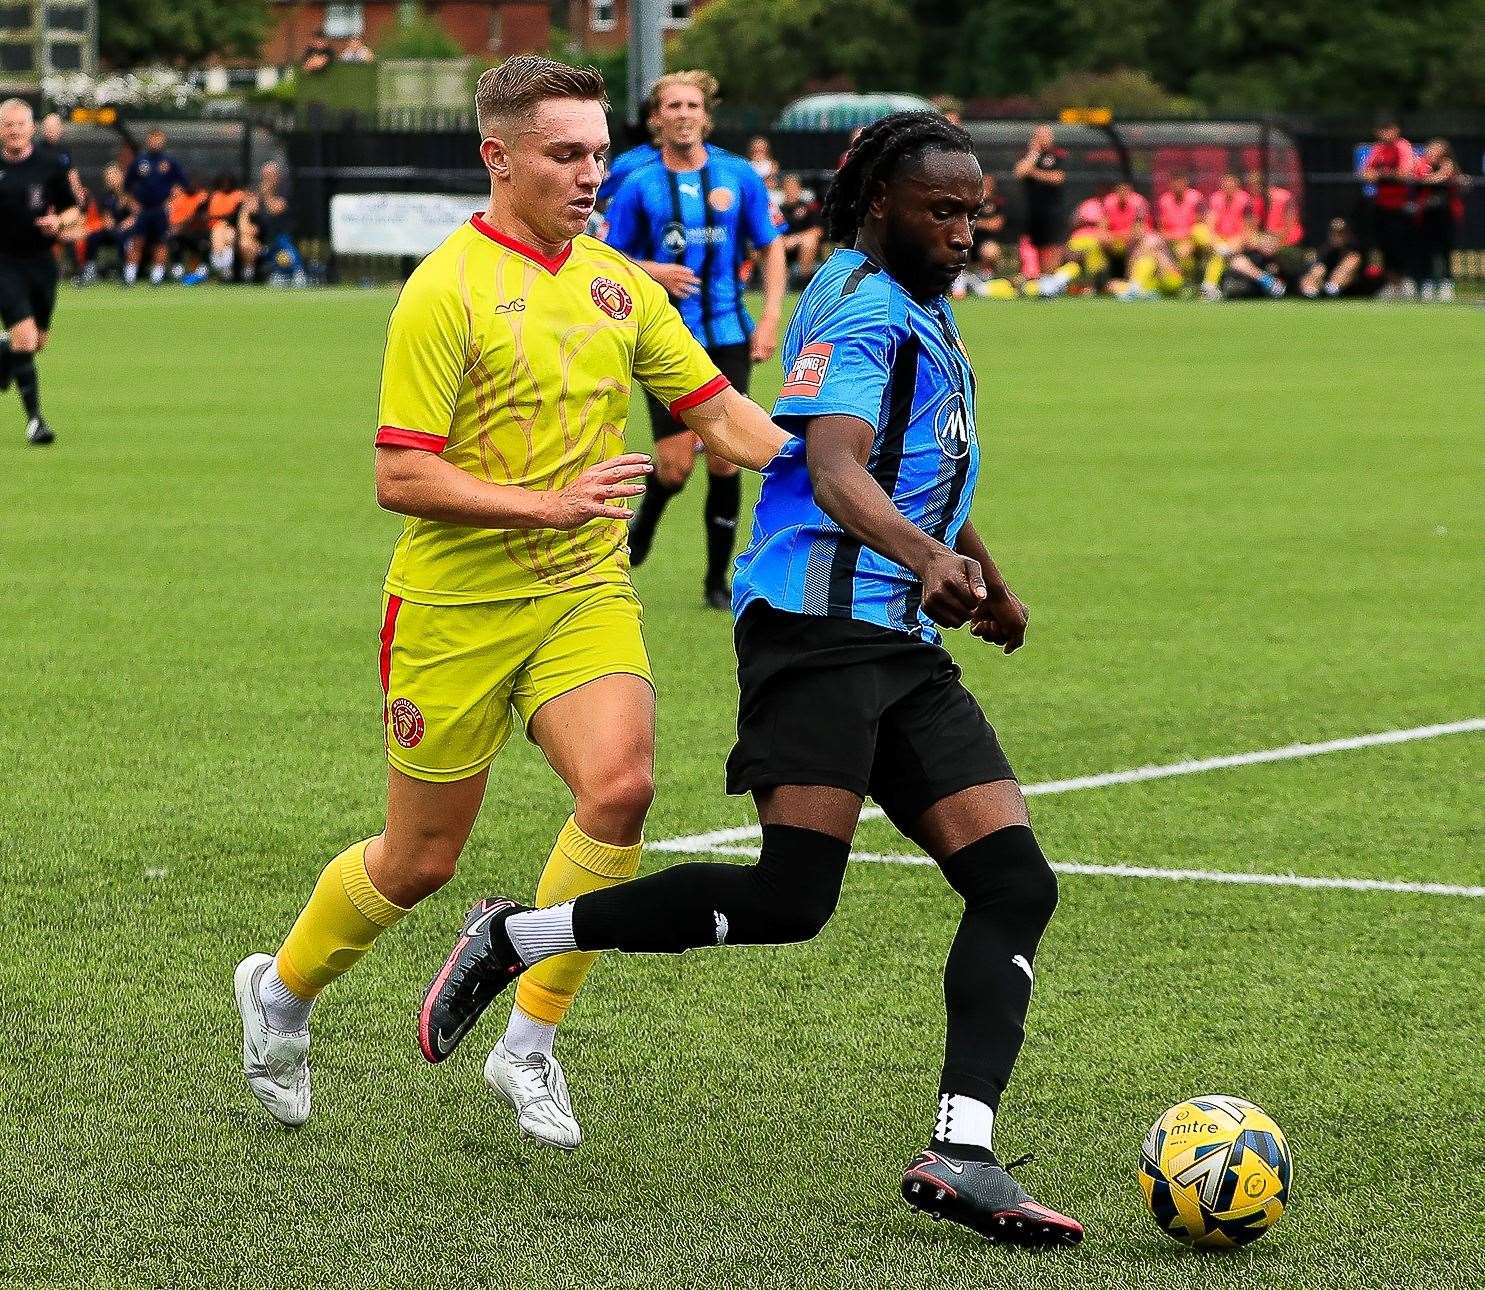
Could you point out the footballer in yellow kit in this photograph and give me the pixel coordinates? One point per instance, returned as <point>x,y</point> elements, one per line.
<point>505,389</point>
<point>505,362</point>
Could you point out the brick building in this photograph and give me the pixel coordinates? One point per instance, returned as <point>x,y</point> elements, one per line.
<point>483,28</point>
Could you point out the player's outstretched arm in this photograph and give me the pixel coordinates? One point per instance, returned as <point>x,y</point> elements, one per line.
<point>836,450</point>
<point>735,428</point>
<point>413,481</point>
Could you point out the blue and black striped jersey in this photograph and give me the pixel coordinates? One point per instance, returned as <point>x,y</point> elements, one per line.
<point>859,345</point>
<point>706,219</point>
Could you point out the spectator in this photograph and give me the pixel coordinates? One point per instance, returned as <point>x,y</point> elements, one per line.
<point>356,50</point>
<point>188,234</point>
<point>51,137</point>
<point>950,108</point>
<point>151,179</point>
<point>804,229</point>
<point>222,209</point>
<point>760,157</point>
<point>1180,219</point>
<point>988,231</point>
<point>1042,178</point>
<point>1338,270</point>
<point>109,221</point>
<point>264,242</point>
<point>1126,217</point>
<point>1387,169</point>
<point>317,56</point>
<point>1439,200</point>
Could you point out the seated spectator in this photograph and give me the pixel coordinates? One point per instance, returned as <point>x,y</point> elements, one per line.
<point>1087,245</point>
<point>264,224</point>
<point>222,208</point>
<point>760,157</point>
<point>318,54</point>
<point>989,228</point>
<point>1338,269</point>
<point>108,221</point>
<point>189,239</point>
<point>803,227</point>
<point>356,50</point>
<point>1123,209</point>
<point>1180,215</point>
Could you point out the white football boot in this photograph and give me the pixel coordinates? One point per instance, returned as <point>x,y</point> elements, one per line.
<point>537,1090</point>
<point>276,1064</point>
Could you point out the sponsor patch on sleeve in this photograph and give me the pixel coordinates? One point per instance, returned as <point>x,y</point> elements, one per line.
<point>808,373</point>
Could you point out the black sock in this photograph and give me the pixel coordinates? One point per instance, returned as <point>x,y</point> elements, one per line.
<point>23,369</point>
<point>787,896</point>
<point>723,500</point>
<point>5,356</point>
<point>642,528</point>
<point>1009,894</point>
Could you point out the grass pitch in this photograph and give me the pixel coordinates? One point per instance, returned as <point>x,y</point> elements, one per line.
<point>1237,527</point>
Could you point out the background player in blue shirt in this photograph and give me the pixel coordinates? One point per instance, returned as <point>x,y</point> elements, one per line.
<point>689,217</point>
<point>151,178</point>
<point>862,544</point>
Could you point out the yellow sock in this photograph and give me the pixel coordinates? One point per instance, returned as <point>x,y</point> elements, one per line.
<point>1170,281</point>
<point>344,916</point>
<point>1142,272</point>
<point>578,864</point>
<point>1216,266</point>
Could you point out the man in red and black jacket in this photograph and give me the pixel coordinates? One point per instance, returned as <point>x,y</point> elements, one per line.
<point>1388,169</point>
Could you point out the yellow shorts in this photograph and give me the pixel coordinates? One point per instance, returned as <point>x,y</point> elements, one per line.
<point>452,674</point>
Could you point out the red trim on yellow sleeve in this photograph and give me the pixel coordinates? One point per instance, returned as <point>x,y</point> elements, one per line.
<point>396,437</point>
<point>716,385</point>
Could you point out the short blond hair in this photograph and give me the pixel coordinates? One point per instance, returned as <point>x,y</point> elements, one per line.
<point>695,78</point>
<point>508,92</point>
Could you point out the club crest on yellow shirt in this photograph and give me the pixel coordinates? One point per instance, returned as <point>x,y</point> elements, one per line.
<point>609,296</point>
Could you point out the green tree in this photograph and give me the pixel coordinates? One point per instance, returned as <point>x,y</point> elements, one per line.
<point>765,52</point>
<point>131,32</point>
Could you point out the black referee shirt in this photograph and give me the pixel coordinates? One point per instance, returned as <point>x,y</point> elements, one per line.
<point>29,189</point>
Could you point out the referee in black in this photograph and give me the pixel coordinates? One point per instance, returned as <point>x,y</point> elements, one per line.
<point>37,205</point>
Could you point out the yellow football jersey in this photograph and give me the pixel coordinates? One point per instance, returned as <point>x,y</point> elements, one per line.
<point>517,368</point>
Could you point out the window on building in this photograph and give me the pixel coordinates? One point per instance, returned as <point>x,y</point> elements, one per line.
<point>677,13</point>
<point>342,20</point>
<point>602,15</point>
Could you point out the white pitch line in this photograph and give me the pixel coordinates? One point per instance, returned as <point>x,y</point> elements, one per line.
<point>697,843</point>
<point>1170,875</point>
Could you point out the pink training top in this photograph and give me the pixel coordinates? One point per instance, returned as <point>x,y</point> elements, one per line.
<point>1230,214</point>
<point>1179,215</point>
<point>1089,216</point>
<point>1278,217</point>
<point>1122,213</point>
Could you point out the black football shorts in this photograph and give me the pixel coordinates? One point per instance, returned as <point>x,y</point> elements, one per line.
<point>28,289</point>
<point>852,705</point>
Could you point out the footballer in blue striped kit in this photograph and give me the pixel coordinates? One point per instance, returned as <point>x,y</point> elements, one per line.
<point>863,553</point>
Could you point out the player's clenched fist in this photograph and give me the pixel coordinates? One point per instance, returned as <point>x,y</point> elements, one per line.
<point>598,493</point>
<point>953,587</point>
<point>1001,619</point>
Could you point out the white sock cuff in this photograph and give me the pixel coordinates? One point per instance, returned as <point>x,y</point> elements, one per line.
<point>964,1120</point>
<point>540,933</point>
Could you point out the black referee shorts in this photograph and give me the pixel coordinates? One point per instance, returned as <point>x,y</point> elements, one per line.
<point>851,705</point>
<point>28,289</point>
<point>735,362</point>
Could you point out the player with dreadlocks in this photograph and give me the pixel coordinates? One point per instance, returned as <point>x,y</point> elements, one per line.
<point>862,550</point>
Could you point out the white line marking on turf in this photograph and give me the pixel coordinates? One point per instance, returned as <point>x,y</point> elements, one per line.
<point>723,842</point>
<point>700,843</point>
<point>1170,875</point>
